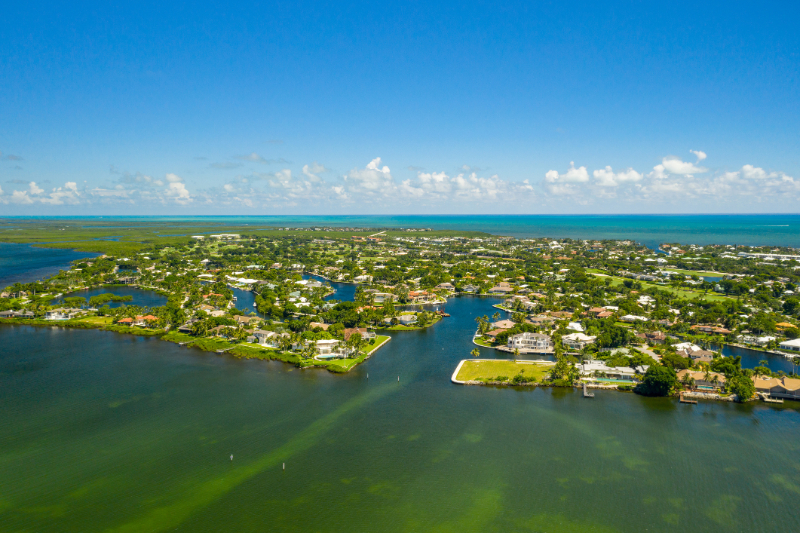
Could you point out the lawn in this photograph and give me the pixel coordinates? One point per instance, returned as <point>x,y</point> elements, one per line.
<point>490,369</point>
<point>698,273</point>
<point>679,291</point>
<point>482,342</point>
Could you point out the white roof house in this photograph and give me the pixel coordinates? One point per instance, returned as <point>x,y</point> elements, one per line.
<point>793,345</point>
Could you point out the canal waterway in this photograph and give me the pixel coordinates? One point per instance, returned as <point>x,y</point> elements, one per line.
<point>110,432</point>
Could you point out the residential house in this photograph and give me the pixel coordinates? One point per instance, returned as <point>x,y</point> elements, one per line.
<point>407,319</point>
<point>61,314</point>
<point>697,356</point>
<point>778,387</point>
<point>703,380</point>
<point>600,368</point>
<point>633,318</point>
<point>530,343</point>
<point>653,337</point>
<point>366,335</point>
<point>792,345</point>
<point>269,339</point>
<point>577,341</point>
<point>503,324</point>
<point>501,288</point>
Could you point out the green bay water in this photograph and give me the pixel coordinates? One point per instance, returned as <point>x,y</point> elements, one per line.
<point>110,432</point>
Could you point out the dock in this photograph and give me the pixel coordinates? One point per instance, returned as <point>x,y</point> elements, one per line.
<point>768,399</point>
<point>586,393</point>
<point>685,400</point>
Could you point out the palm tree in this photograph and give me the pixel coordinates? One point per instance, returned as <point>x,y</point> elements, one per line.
<point>475,352</point>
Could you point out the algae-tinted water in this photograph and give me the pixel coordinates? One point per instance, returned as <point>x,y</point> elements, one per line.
<point>108,432</point>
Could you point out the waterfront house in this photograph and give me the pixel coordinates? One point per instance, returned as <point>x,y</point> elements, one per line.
<point>503,324</point>
<point>407,319</point>
<point>470,288</point>
<point>145,320</point>
<point>501,288</point>
<point>366,335</point>
<point>778,387</point>
<point>530,343</point>
<point>333,348</point>
<point>61,314</point>
<point>792,345</point>
<point>703,380</point>
<point>269,339</point>
<point>601,369</point>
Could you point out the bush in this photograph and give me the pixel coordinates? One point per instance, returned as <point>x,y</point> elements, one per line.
<point>626,388</point>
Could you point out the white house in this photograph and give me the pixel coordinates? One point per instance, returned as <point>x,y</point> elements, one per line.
<point>633,318</point>
<point>577,341</point>
<point>407,319</point>
<point>530,343</point>
<point>792,345</point>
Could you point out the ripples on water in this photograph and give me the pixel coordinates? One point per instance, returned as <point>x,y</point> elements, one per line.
<point>102,431</point>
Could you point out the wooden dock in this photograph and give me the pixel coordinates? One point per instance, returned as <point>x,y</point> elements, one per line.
<point>685,400</point>
<point>586,393</point>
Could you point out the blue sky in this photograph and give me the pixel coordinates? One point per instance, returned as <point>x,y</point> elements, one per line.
<point>382,107</point>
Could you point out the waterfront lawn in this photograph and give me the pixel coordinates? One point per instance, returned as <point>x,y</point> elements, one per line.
<point>97,320</point>
<point>400,327</point>
<point>491,369</point>
<point>480,341</point>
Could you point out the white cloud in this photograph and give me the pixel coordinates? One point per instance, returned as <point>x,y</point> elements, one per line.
<point>313,170</point>
<point>178,192</point>
<point>35,189</point>
<point>373,179</point>
<point>700,154</point>
<point>21,197</point>
<point>606,177</point>
<point>572,175</point>
<point>674,165</point>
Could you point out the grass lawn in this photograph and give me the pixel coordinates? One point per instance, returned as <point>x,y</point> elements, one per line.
<point>400,327</point>
<point>679,291</point>
<point>698,273</point>
<point>98,320</point>
<point>489,370</point>
<point>482,342</point>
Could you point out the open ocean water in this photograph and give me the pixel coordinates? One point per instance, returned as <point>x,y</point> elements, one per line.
<point>651,230</point>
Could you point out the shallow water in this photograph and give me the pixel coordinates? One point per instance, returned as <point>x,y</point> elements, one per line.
<point>22,263</point>
<point>109,432</point>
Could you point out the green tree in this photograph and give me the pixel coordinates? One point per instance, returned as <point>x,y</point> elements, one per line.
<point>658,381</point>
<point>742,386</point>
<point>476,353</point>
